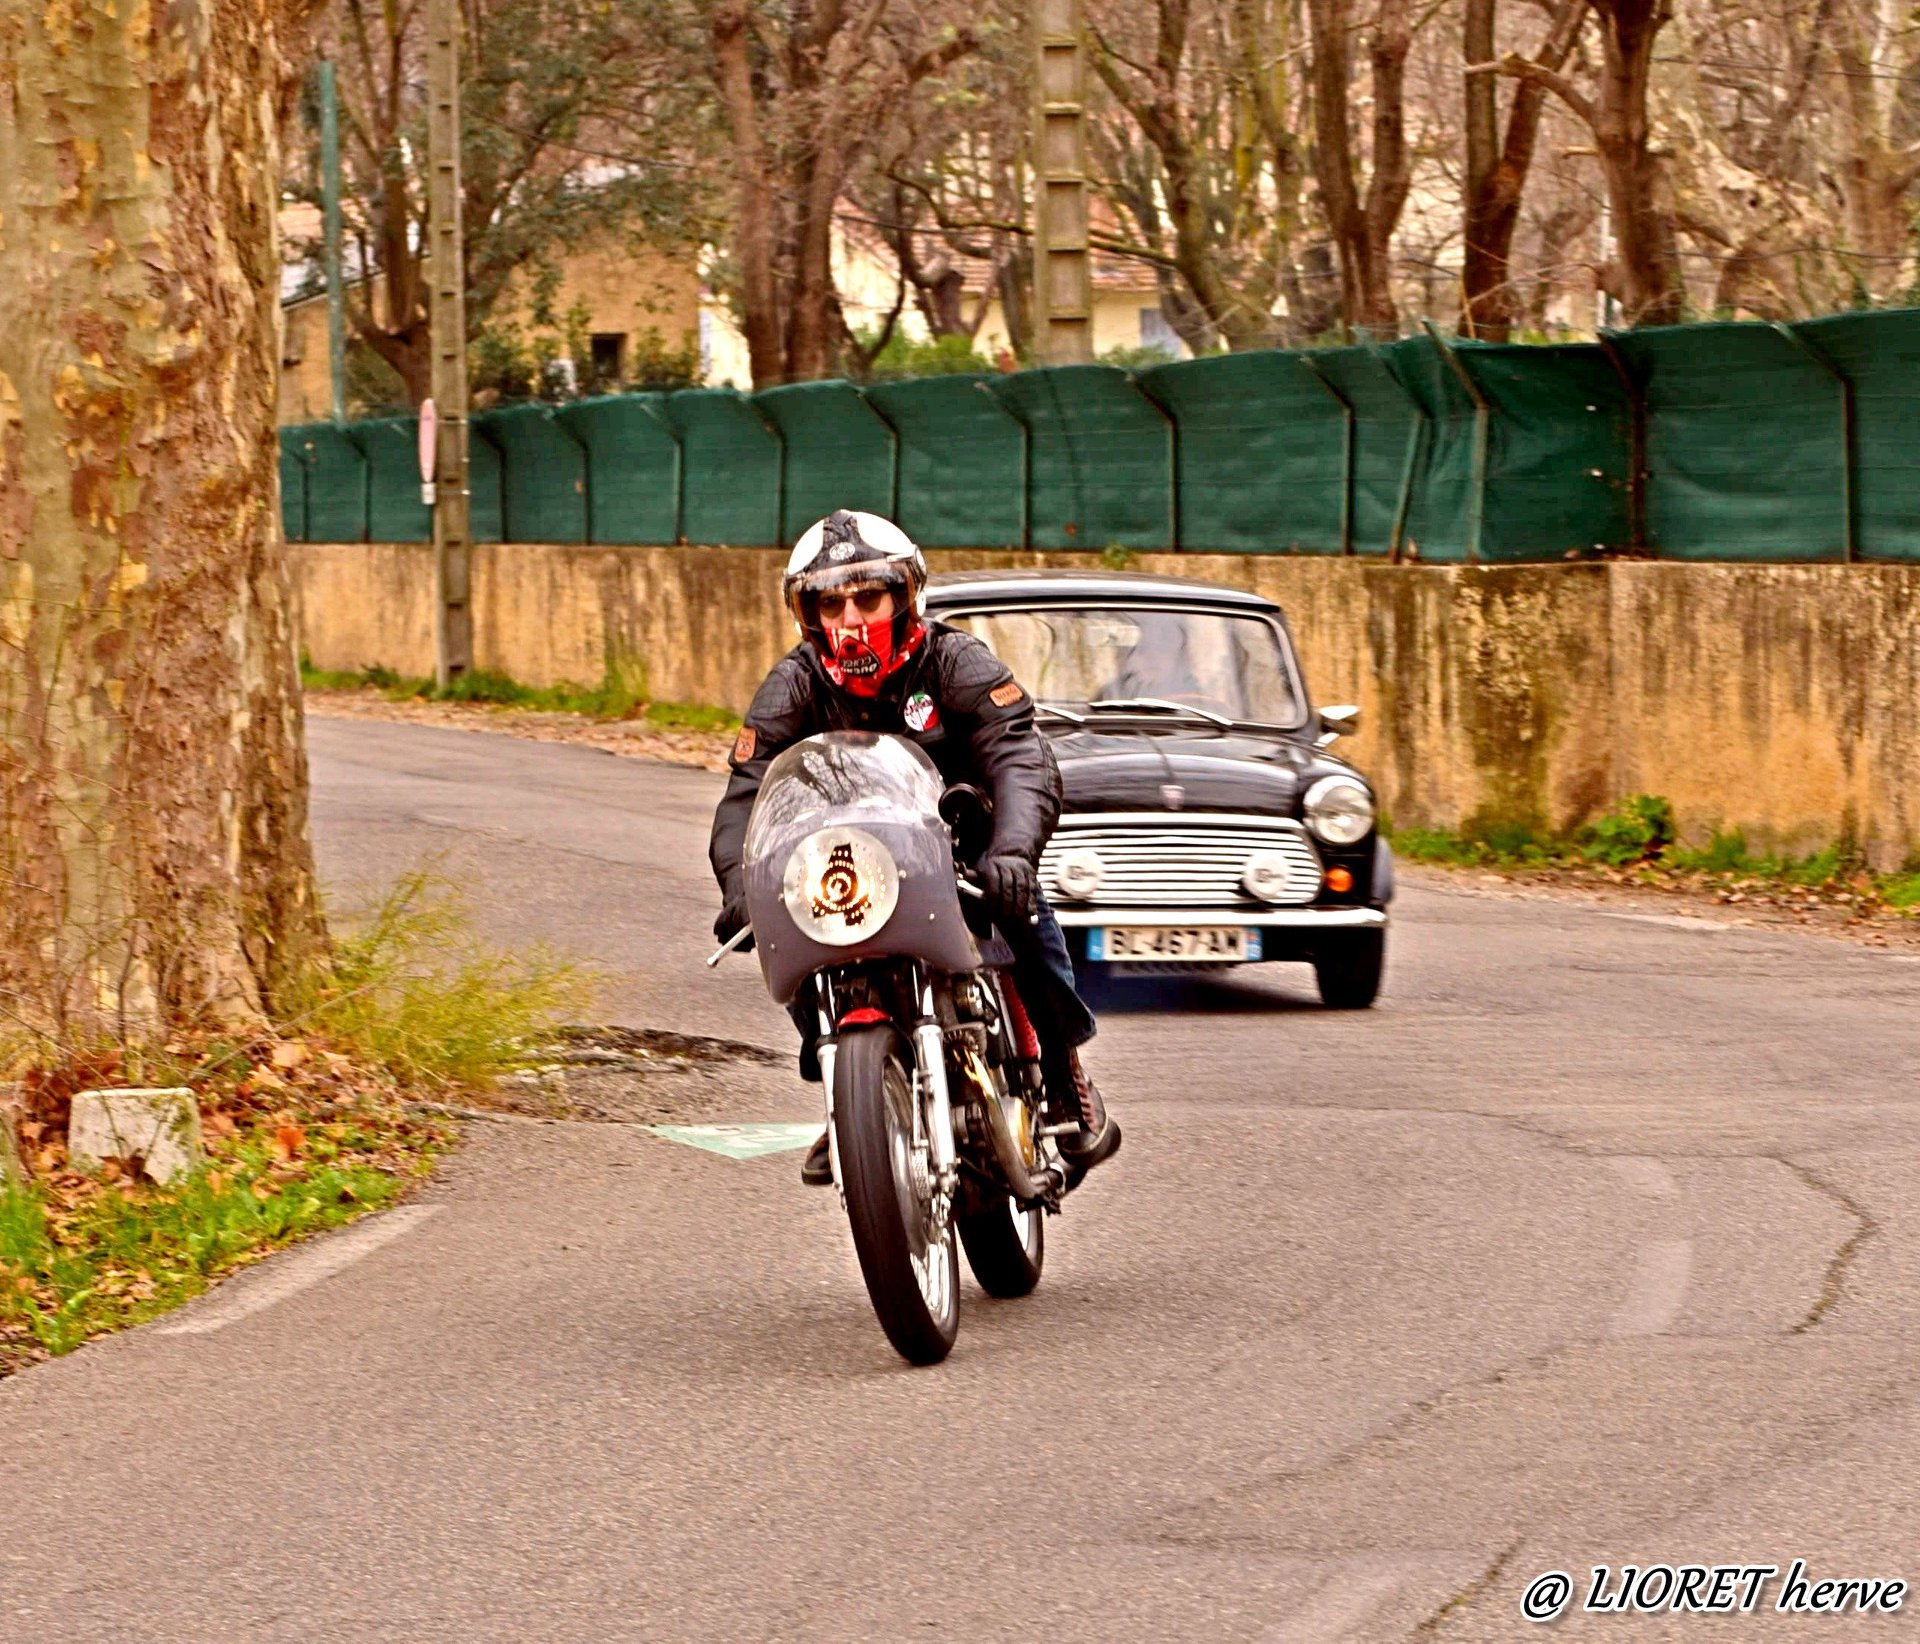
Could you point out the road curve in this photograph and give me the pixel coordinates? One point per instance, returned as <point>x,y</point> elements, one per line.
<point>1594,1243</point>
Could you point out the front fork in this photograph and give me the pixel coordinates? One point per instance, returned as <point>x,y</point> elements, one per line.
<point>930,1062</point>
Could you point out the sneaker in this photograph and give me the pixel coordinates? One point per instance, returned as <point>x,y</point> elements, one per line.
<point>816,1169</point>
<point>1098,1137</point>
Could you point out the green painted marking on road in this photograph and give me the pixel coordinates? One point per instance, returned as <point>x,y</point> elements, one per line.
<point>742,1141</point>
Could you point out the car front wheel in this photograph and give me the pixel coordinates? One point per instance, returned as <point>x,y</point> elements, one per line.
<point>1348,968</point>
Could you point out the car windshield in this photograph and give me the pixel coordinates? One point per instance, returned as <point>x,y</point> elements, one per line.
<point>1213,662</point>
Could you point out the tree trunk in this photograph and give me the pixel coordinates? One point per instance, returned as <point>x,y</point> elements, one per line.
<point>153,800</point>
<point>1392,174</point>
<point>1497,167</point>
<point>1649,258</point>
<point>1362,230</point>
<point>753,235</point>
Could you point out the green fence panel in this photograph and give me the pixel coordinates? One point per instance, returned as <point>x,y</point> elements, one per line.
<point>1527,454</point>
<point>730,469</point>
<point>1388,427</point>
<point>1880,355</point>
<point>395,512</point>
<point>543,475</point>
<point>1441,511</point>
<point>1561,457</point>
<point>336,485</point>
<point>1744,444</point>
<point>839,452</point>
<point>486,518</point>
<point>1262,453</point>
<point>633,467</point>
<point>963,475</point>
<point>1100,458</point>
<point>293,485</point>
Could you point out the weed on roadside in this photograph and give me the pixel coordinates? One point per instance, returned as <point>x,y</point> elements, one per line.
<point>83,1254</point>
<point>621,695</point>
<point>1636,841</point>
<point>409,989</point>
<point>307,1124</point>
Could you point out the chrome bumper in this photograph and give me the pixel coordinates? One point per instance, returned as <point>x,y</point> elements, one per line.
<point>1206,918</point>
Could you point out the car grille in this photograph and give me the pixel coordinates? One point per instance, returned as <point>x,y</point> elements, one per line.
<point>1182,862</point>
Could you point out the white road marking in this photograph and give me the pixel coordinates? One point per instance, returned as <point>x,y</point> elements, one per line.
<point>1644,1175</point>
<point>1659,1287</point>
<point>287,1275</point>
<point>1675,921</point>
<point>1336,1608</point>
<point>752,1141</point>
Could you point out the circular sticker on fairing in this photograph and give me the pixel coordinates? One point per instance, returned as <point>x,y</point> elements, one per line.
<point>920,712</point>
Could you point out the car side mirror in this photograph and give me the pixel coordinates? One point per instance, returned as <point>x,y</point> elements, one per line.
<point>1337,722</point>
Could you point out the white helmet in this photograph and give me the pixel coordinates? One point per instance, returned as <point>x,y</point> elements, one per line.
<point>854,550</point>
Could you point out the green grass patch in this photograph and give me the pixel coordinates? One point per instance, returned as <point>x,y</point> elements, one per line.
<point>622,695</point>
<point>1638,834</point>
<point>80,1256</point>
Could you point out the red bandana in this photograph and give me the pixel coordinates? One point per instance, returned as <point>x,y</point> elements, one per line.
<point>859,659</point>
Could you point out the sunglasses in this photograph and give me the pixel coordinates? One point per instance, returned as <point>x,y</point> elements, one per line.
<point>867,601</point>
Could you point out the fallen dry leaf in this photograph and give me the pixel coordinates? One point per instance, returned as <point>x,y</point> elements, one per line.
<point>288,1140</point>
<point>290,1055</point>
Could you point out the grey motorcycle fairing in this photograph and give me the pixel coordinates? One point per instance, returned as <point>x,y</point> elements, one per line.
<point>886,787</point>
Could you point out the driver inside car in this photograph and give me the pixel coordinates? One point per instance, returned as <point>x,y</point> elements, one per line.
<point>869,661</point>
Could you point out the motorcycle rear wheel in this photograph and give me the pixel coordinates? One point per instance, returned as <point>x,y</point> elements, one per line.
<point>911,1267</point>
<point>1006,1248</point>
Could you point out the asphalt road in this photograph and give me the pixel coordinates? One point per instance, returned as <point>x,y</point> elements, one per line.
<point>1594,1243</point>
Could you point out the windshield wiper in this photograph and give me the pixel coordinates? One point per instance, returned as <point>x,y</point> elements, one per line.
<point>1060,713</point>
<point>1156,704</point>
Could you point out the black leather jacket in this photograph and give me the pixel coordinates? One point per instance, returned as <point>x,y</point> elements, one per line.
<point>954,697</point>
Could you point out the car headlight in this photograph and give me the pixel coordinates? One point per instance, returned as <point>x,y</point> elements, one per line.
<point>1079,873</point>
<point>841,885</point>
<point>1267,876</point>
<point>1339,810</point>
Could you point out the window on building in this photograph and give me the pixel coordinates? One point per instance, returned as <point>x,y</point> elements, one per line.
<point>1156,333</point>
<point>609,356</point>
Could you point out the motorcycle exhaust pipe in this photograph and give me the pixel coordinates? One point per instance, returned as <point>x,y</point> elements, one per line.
<point>1006,1146</point>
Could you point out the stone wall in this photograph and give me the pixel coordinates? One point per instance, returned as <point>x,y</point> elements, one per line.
<point>1778,699</point>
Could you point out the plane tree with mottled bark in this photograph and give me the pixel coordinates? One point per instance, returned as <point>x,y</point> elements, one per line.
<point>153,801</point>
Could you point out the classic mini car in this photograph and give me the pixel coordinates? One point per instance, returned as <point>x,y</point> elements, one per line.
<point>1205,824</point>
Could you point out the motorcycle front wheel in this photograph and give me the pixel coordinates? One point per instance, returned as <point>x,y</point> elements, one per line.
<point>910,1264</point>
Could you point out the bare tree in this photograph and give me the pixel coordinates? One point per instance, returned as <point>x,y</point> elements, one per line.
<point>1647,270</point>
<point>805,92</point>
<point>1497,164</point>
<point>153,807</point>
<point>1202,155</point>
<point>1362,221</point>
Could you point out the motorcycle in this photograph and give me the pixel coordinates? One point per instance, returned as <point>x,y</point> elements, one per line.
<point>938,1122</point>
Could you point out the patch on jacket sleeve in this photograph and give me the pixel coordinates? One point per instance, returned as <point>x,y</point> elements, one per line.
<point>744,745</point>
<point>1005,695</point>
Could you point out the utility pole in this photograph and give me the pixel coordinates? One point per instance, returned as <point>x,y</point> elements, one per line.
<point>330,189</point>
<point>1062,267</point>
<point>447,325</point>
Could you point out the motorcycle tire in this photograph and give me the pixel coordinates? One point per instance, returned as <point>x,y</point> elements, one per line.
<point>912,1281</point>
<point>1006,1248</point>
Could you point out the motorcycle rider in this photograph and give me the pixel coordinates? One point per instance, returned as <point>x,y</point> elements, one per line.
<point>868,660</point>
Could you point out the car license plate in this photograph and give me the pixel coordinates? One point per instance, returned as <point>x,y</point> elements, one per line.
<point>1205,943</point>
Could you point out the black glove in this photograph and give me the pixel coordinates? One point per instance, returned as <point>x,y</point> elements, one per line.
<point>1012,886</point>
<point>733,919</point>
